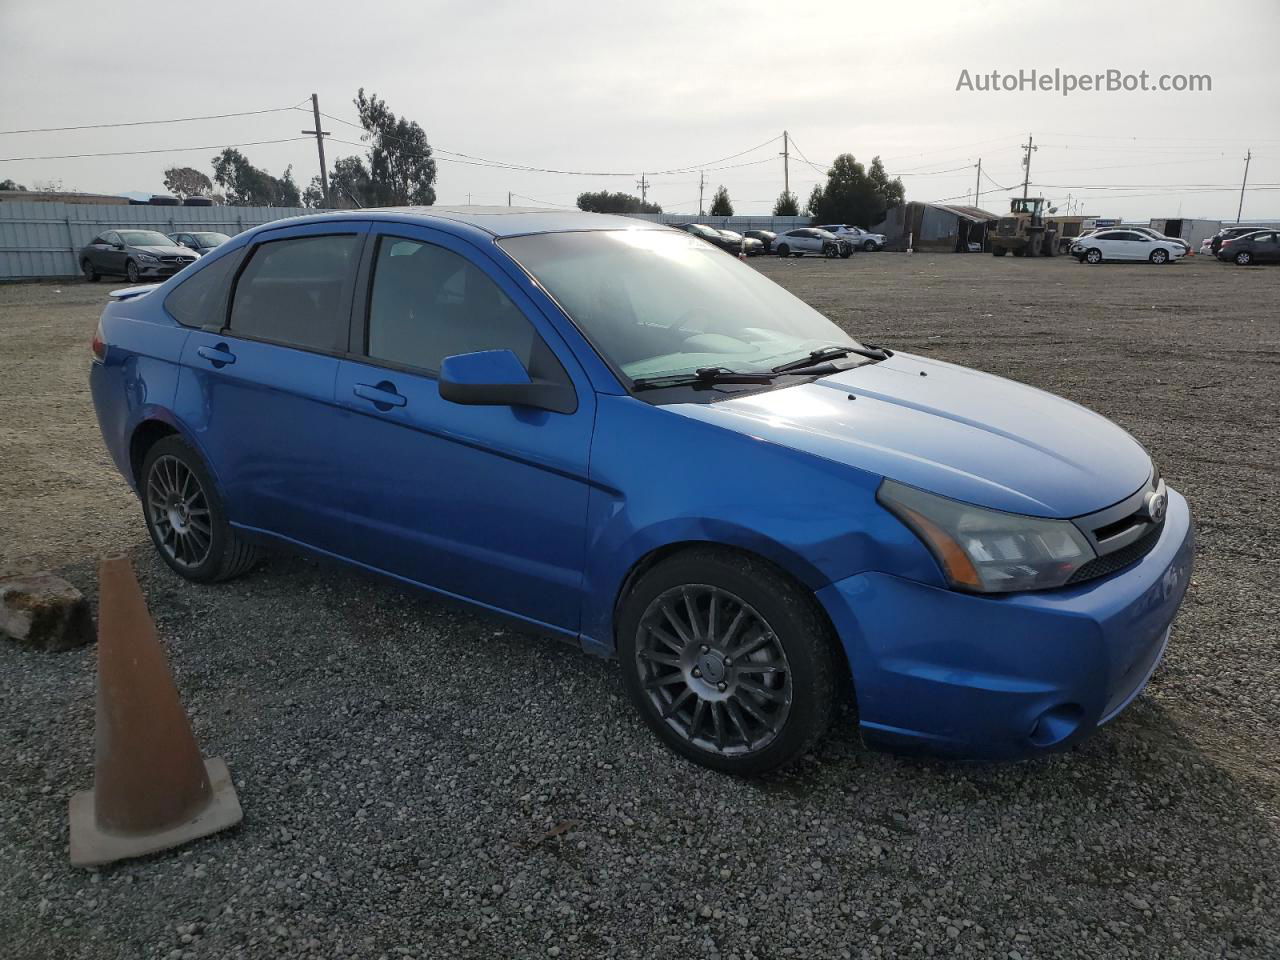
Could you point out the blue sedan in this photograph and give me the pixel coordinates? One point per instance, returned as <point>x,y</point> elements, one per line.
<point>618,435</point>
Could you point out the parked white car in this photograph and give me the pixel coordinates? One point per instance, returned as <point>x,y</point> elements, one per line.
<point>798,242</point>
<point>1125,245</point>
<point>861,239</point>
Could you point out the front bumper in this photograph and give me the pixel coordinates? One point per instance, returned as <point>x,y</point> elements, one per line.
<point>1007,677</point>
<point>160,269</point>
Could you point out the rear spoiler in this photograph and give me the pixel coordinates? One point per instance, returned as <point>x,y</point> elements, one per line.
<point>130,293</point>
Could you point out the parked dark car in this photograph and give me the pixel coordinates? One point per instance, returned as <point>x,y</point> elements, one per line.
<point>1261,246</point>
<point>750,246</point>
<point>136,254</point>
<point>766,238</point>
<point>201,241</point>
<point>712,236</point>
<point>1229,233</point>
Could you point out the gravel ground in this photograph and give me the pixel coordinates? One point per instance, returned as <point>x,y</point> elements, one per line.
<point>420,782</point>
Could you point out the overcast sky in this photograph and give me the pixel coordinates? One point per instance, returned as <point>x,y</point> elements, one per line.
<point>608,87</point>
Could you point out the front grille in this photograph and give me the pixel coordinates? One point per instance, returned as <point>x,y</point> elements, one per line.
<point>177,259</point>
<point>1119,559</point>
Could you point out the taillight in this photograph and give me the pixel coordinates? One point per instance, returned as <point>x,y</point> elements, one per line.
<point>98,345</point>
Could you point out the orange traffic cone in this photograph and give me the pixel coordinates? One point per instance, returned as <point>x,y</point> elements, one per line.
<point>152,790</point>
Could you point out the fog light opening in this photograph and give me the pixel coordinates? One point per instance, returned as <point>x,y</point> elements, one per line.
<point>1056,724</point>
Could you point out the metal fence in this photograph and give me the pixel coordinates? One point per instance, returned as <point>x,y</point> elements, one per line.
<point>42,239</point>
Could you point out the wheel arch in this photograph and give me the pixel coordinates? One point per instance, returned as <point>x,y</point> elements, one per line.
<point>153,428</point>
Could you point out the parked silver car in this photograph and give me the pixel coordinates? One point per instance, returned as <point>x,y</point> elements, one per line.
<point>201,241</point>
<point>136,254</point>
<point>859,238</point>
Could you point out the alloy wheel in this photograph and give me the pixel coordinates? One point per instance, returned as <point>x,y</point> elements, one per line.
<point>131,271</point>
<point>713,669</point>
<point>179,512</point>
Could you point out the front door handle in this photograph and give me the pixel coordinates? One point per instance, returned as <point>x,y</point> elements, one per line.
<point>218,356</point>
<point>382,395</point>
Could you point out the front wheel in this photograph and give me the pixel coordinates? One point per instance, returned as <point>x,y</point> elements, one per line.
<point>1244,258</point>
<point>131,271</point>
<point>728,661</point>
<point>186,518</point>
<point>998,251</point>
<point>846,253</point>
<point>869,246</point>
<point>1094,255</point>
<point>784,250</point>
<point>1159,256</point>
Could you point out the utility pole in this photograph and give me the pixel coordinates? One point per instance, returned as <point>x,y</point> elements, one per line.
<point>702,182</point>
<point>977,186</point>
<point>1026,162</point>
<point>1240,209</point>
<point>786,164</point>
<point>320,135</point>
<point>468,198</point>
<point>643,184</point>
<point>508,198</point>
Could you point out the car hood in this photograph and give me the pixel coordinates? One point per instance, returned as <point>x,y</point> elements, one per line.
<point>957,432</point>
<point>162,251</point>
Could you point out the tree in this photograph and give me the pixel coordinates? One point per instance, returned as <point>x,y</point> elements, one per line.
<point>852,195</point>
<point>349,186</point>
<point>787,205</point>
<point>11,185</point>
<point>814,201</point>
<point>186,182</point>
<point>720,205</point>
<point>401,169</point>
<point>246,185</point>
<point>605,202</point>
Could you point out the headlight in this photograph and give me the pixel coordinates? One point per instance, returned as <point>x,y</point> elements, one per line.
<point>147,258</point>
<point>988,551</point>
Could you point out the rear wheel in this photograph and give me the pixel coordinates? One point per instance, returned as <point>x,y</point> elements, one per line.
<point>1244,258</point>
<point>131,271</point>
<point>88,270</point>
<point>186,518</point>
<point>1159,256</point>
<point>729,662</point>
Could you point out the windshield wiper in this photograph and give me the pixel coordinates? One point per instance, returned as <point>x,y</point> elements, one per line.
<point>703,375</point>
<point>874,354</point>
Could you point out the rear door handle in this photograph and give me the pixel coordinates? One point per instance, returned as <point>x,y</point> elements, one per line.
<point>218,355</point>
<point>382,395</point>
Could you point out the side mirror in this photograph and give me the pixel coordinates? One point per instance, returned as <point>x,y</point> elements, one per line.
<point>117,246</point>
<point>498,378</point>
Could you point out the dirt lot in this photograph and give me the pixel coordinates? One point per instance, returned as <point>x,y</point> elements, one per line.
<point>401,762</point>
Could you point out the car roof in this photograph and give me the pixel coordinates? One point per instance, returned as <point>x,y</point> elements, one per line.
<point>497,222</point>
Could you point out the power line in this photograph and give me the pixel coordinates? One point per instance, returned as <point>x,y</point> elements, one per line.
<point>130,153</point>
<point>146,123</point>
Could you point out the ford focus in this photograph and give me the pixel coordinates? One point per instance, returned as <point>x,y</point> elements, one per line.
<point>615,434</point>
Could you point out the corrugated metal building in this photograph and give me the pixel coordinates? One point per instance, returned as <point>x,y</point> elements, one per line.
<point>938,227</point>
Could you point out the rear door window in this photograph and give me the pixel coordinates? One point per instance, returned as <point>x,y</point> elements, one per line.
<point>297,292</point>
<point>201,299</point>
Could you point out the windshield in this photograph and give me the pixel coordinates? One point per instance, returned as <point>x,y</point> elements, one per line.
<point>826,234</point>
<point>210,239</point>
<point>145,238</point>
<point>658,302</point>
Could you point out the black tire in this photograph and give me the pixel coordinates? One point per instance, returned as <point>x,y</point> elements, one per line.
<point>869,246</point>
<point>89,272</point>
<point>225,554</point>
<point>801,695</point>
<point>998,251</point>
<point>1093,255</point>
<point>1159,256</point>
<point>846,253</point>
<point>784,250</point>
<point>1244,258</point>
<point>131,271</point>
